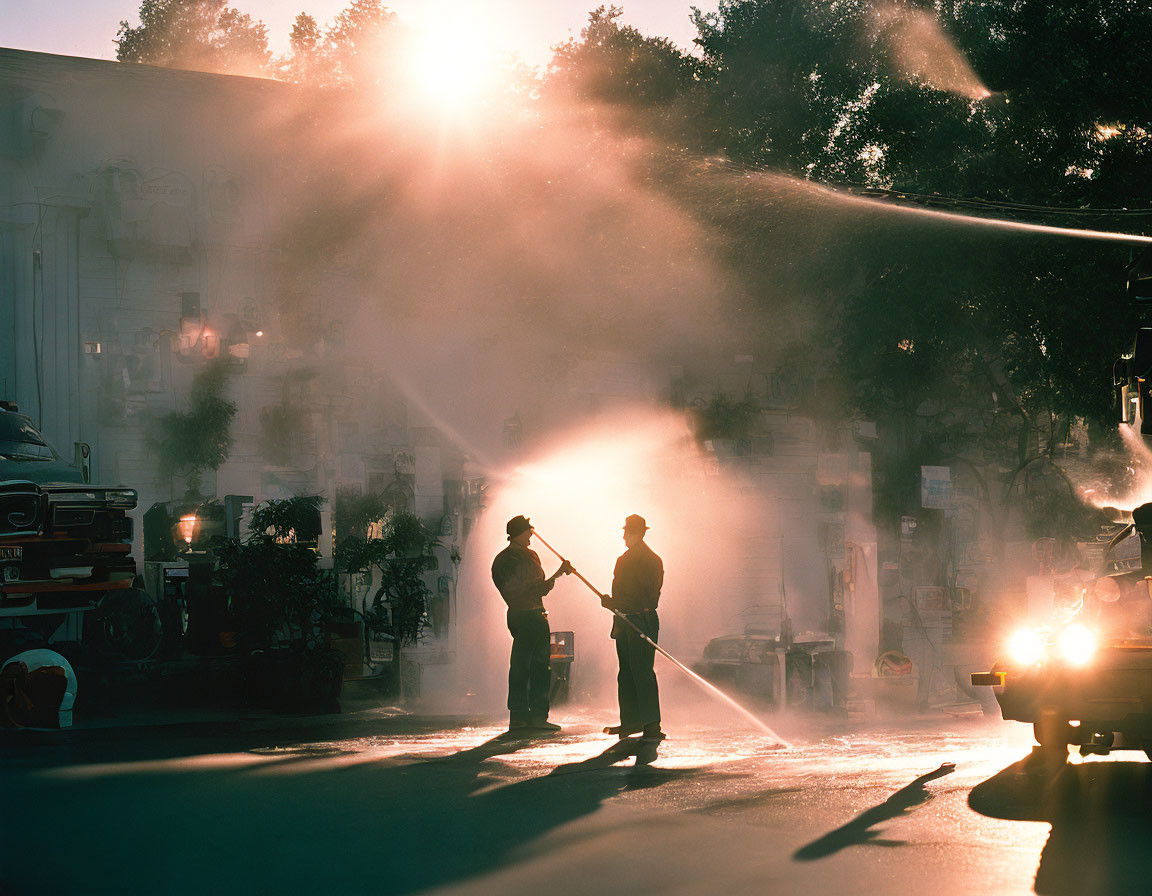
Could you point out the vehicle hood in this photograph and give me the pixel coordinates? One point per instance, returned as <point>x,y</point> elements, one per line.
<point>47,472</point>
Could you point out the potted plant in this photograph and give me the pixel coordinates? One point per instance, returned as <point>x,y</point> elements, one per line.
<point>278,596</point>
<point>198,439</point>
<point>396,547</point>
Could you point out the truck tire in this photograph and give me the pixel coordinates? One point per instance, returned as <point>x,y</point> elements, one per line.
<point>127,626</point>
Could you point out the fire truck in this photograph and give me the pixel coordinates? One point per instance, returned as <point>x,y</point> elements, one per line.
<point>65,546</point>
<point>1082,675</point>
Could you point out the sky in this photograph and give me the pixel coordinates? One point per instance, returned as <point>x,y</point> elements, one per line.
<point>527,27</point>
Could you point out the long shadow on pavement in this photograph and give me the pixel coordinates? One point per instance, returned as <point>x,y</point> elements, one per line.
<point>1101,817</point>
<point>307,822</point>
<point>129,742</point>
<point>860,830</point>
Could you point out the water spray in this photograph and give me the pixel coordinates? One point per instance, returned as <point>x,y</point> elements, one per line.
<point>707,685</point>
<point>975,220</point>
<point>850,197</point>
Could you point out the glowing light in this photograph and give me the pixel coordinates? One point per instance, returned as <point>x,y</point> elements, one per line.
<point>259,332</point>
<point>1077,645</point>
<point>187,527</point>
<point>577,490</point>
<point>452,64</point>
<point>1026,646</point>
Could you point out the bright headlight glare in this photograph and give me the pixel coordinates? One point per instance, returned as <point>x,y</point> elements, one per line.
<point>1077,644</point>
<point>1026,646</point>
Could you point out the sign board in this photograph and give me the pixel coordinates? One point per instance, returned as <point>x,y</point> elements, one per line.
<point>936,487</point>
<point>405,461</point>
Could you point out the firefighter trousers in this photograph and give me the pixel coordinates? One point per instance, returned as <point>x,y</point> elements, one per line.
<point>636,683</point>
<point>529,669</point>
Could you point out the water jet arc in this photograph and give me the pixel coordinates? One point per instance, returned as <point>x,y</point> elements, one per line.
<point>977,221</point>
<point>707,685</point>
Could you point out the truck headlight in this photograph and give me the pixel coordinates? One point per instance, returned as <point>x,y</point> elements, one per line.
<point>1026,646</point>
<point>1077,644</point>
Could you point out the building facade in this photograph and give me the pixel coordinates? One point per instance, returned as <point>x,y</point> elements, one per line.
<point>139,244</point>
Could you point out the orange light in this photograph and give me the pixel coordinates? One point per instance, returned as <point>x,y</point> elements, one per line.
<point>187,527</point>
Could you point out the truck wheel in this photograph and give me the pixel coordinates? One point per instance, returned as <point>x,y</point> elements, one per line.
<point>127,626</point>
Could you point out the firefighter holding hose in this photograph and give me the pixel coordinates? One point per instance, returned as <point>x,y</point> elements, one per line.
<point>519,576</point>
<point>636,583</point>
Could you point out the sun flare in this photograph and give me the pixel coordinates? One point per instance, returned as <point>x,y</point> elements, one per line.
<point>453,65</point>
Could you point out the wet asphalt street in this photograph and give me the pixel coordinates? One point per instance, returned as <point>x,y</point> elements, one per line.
<point>377,802</point>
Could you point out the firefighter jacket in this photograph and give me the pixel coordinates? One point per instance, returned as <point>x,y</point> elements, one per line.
<point>520,579</point>
<point>637,580</point>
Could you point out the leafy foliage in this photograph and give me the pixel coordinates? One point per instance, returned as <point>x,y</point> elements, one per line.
<point>353,514</point>
<point>272,587</point>
<point>986,345</point>
<point>304,63</point>
<point>200,438</point>
<point>275,587</point>
<point>203,35</point>
<point>357,40</point>
<point>722,417</point>
<point>291,519</point>
<point>617,64</point>
<point>401,554</point>
<point>210,36</point>
<point>354,50</point>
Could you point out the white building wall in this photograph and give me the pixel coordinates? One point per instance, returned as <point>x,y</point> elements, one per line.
<point>151,185</point>
<point>429,483</point>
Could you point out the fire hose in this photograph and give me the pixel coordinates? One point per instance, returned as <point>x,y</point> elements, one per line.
<point>616,613</point>
<point>675,662</point>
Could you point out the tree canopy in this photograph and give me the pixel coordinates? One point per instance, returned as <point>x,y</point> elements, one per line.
<point>203,35</point>
<point>989,344</point>
<point>614,63</point>
<point>1010,109</point>
<point>210,36</point>
<point>1025,104</point>
<point>352,51</point>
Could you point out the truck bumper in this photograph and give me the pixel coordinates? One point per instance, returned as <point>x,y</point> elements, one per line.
<point>1113,693</point>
